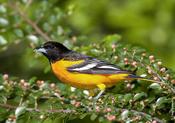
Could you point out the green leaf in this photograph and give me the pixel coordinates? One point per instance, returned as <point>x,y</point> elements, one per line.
<point>124,114</point>
<point>1,87</point>
<point>20,110</point>
<point>83,115</point>
<point>48,120</point>
<point>47,69</point>
<point>93,117</point>
<point>60,30</point>
<point>3,99</point>
<point>19,33</point>
<point>33,38</point>
<point>155,86</point>
<point>32,80</point>
<point>161,101</point>
<point>46,26</point>
<point>139,96</point>
<point>3,22</point>
<point>127,97</point>
<point>2,9</point>
<point>112,38</point>
<point>52,19</point>
<point>101,119</point>
<point>71,9</point>
<point>3,41</point>
<point>109,43</point>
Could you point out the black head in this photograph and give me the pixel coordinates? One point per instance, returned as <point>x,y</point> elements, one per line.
<point>53,50</point>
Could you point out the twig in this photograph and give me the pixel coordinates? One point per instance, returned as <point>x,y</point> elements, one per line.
<point>28,4</point>
<point>30,22</point>
<point>8,106</point>
<point>144,114</point>
<point>141,114</point>
<point>161,80</point>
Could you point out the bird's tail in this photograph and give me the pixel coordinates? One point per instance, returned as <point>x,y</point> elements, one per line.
<point>132,76</point>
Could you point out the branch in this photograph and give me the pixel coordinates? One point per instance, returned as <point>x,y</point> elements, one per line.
<point>68,111</point>
<point>30,22</point>
<point>8,106</point>
<point>161,80</point>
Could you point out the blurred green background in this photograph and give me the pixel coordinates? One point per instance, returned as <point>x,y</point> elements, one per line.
<point>25,24</point>
<point>146,23</point>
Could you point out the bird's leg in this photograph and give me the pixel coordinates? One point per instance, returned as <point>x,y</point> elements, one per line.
<point>99,95</point>
<point>102,88</point>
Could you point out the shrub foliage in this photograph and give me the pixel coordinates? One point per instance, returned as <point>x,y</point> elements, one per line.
<point>34,99</point>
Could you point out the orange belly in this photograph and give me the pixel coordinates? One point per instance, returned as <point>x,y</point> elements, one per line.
<point>81,80</point>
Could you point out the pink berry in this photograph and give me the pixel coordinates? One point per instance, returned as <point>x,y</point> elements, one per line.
<point>5,76</point>
<point>111,117</point>
<point>151,57</point>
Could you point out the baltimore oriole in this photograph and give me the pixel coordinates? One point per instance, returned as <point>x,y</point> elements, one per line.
<point>82,71</point>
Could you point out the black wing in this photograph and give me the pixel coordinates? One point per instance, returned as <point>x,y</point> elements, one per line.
<point>94,66</point>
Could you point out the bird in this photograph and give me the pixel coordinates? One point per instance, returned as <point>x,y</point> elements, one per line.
<point>82,71</point>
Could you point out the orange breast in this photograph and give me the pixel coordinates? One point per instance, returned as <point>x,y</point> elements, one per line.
<point>81,80</point>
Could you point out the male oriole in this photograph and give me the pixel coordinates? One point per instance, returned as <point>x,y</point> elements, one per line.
<point>82,71</point>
